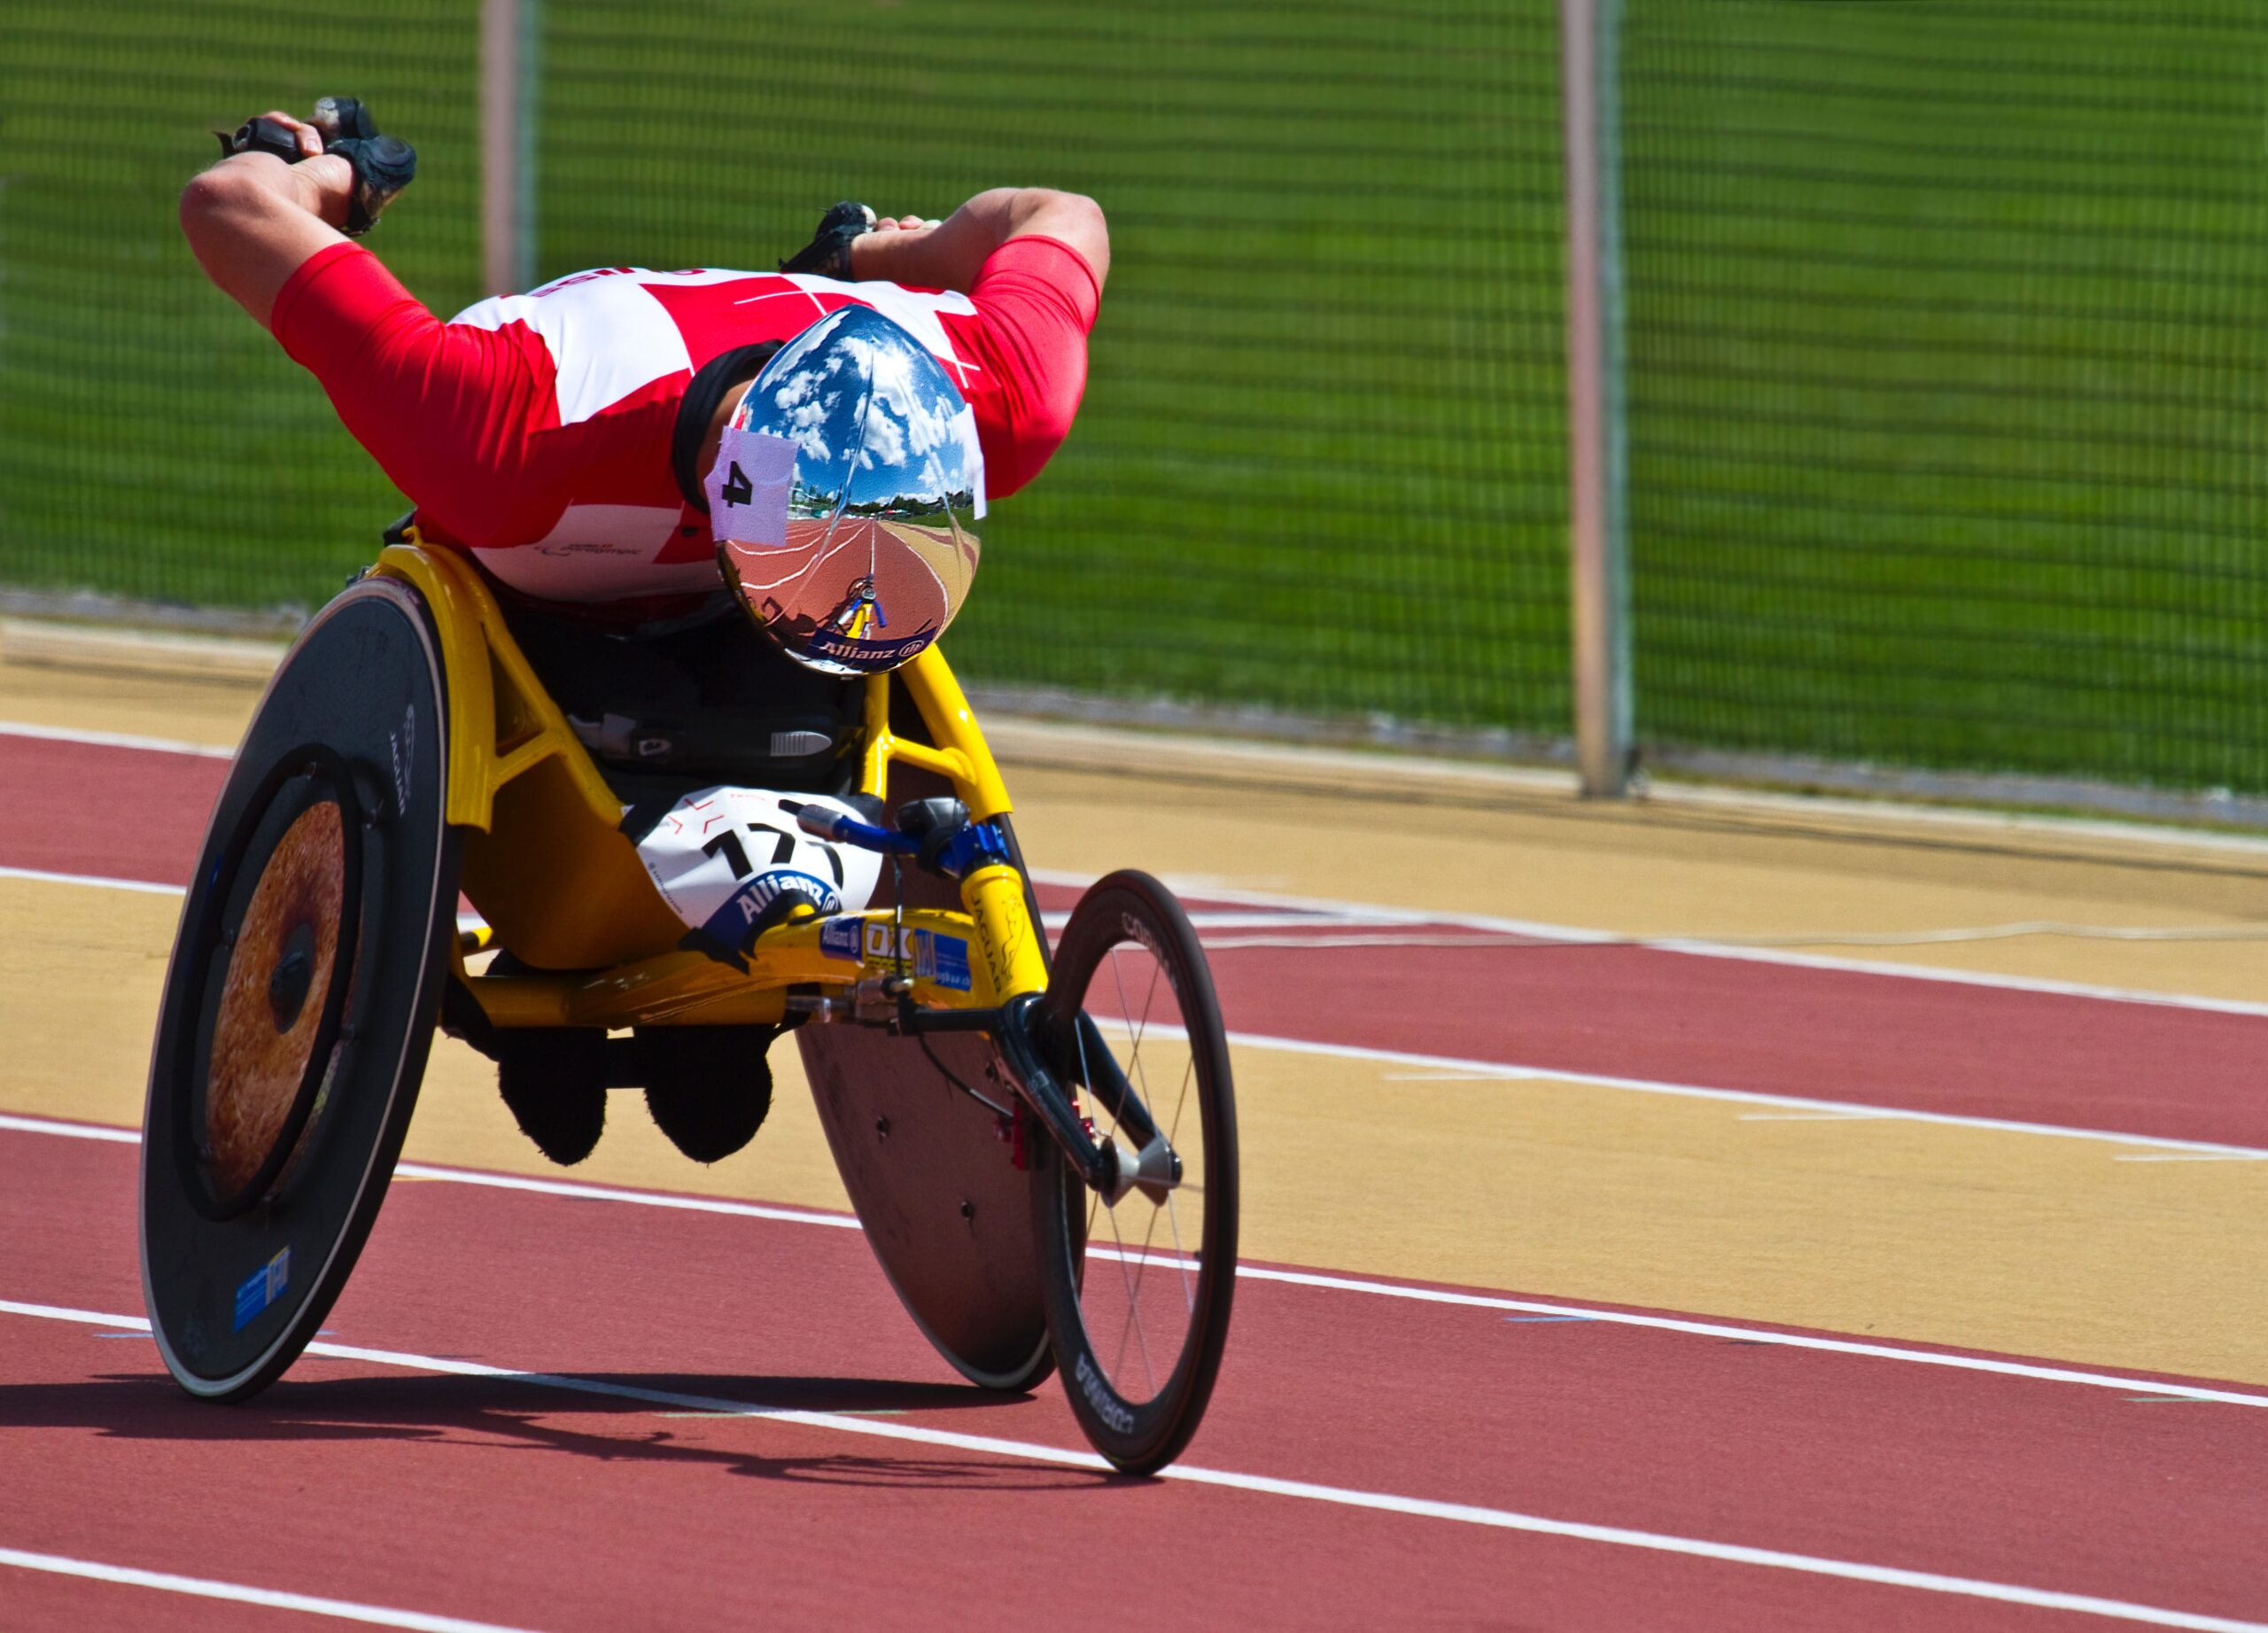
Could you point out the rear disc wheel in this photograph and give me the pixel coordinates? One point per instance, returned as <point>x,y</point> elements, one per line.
<point>301,998</point>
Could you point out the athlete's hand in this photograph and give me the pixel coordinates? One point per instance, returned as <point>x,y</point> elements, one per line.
<point>274,132</point>
<point>831,251</point>
<point>380,166</point>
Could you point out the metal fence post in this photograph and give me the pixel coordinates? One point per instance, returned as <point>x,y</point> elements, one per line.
<point>508,73</point>
<point>1598,565</point>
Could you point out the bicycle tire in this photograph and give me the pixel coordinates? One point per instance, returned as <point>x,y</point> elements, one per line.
<point>1137,1408</point>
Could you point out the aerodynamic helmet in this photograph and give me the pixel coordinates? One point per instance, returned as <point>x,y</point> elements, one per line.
<point>845,494</point>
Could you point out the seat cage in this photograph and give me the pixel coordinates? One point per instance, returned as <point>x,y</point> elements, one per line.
<point>560,886</point>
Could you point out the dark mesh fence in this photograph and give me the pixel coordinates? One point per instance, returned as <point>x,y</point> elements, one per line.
<point>1321,464</point>
<point>1946,345</point>
<point>154,442</point>
<point>1947,369</point>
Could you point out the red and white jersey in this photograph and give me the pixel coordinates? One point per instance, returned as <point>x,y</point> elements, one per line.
<point>611,353</point>
<point>535,431</point>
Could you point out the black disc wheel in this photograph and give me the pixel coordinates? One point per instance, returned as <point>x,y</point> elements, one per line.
<point>301,1000</point>
<point>1139,1286</point>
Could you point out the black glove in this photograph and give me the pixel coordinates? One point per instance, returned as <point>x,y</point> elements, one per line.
<point>261,136</point>
<point>828,253</point>
<point>383,164</point>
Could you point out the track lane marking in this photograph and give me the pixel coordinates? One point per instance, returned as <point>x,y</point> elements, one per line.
<point>239,1593</point>
<point>1321,1279</point>
<point>1456,1066</point>
<point>1361,913</point>
<point>115,739</point>
<point>1381,1502</point>
<point>1577,936</point>
<point>69,1131</point>
<point>41,875</point>
<point>2165,836</point>
<point>1448,1067</point>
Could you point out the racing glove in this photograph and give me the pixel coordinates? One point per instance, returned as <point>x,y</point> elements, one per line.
<point>383,164</point>
<point>828,253</point>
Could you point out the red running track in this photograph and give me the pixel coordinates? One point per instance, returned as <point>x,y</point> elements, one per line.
<point>530,1507</point>
<point>2151,1069</point>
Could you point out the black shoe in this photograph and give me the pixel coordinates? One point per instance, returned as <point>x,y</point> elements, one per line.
<point>828,253</point>
<point>707,1087</point>
<point>555,1082</point>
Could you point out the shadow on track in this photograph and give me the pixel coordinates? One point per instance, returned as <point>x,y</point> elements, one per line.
<point>509,1414</point>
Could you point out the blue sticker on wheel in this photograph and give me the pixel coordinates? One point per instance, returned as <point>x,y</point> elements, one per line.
<point>256,1292</point>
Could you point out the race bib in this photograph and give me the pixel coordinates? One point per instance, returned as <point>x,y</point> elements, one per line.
<point>750,485</point>
<point>730,861</point>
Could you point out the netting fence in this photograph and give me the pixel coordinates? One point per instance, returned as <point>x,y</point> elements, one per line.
<point>1943,338</point>
<point>1319,467</point>
<point>153,442</point>
<point>1947,382</point>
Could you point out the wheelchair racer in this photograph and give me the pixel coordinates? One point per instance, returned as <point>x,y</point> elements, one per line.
<point>568,440</point>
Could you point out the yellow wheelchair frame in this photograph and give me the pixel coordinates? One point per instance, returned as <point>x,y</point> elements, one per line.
<point>516,767</point>
<point>980,1118</point>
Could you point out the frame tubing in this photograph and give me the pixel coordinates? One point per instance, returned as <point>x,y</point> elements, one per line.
<point>1598,545</point>
<point>994,897</point>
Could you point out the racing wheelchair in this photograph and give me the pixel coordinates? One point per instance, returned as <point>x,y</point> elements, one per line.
<point>1041,1147</point>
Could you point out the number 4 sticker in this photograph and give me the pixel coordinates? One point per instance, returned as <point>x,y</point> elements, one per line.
<point>749,484</point>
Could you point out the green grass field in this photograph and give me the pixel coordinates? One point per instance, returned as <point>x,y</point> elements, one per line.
<point>1944,343</point>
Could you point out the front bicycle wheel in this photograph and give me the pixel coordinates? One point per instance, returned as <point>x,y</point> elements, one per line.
<point>1138,1289</point>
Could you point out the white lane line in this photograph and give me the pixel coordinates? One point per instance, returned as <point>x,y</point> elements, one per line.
<point>238,1593</point>
<point>1454,1066</point>
<point>2193,1156</point>
<point>1211,919</point>
<point>1444,1068</point>
<point>608,1193</point>
<point>1760,1336</point>
<point>1031,739</point>
<point>115,739</point>
<point>1381,1502</point>
<point>1509,1072</point>
<point>1570,935</point>
<point>1818,1117</point>
<point>1294,1278</point>
<point>68,1131</point>
<point>1443,1077</point>
<point>40,876</point>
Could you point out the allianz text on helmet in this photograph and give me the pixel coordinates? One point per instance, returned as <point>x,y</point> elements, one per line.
<point>845,494</point>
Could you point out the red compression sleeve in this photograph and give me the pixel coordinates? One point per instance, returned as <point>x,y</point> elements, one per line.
<point>445,411</point>
<point>1037,298</point>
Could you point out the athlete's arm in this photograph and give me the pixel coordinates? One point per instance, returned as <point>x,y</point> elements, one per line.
<point>251,220</point>
<point>951,254</point>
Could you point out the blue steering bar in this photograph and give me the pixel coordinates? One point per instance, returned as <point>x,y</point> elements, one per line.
<point>973,844</point>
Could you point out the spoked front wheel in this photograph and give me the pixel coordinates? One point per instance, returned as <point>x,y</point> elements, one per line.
<point>1139,1287</point>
